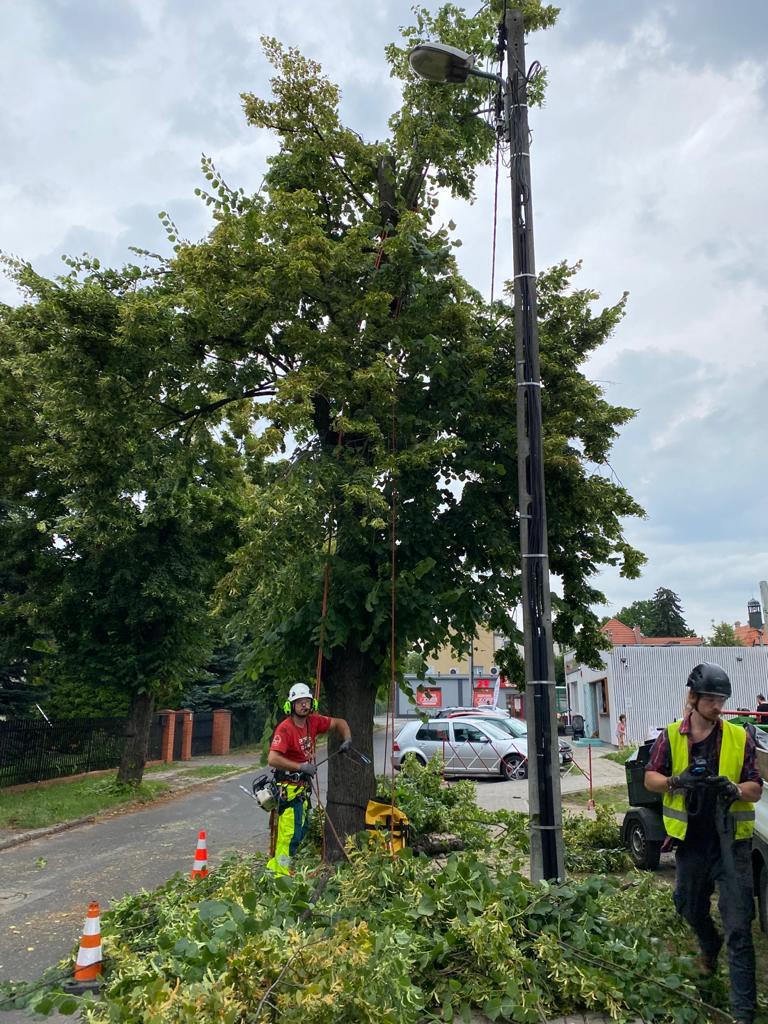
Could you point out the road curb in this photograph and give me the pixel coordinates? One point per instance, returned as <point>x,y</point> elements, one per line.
<point>41,833</point>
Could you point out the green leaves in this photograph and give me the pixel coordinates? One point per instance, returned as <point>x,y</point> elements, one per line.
<point>392,941</point>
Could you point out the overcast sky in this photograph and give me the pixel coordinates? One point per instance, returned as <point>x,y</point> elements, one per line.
<point>647,165</point>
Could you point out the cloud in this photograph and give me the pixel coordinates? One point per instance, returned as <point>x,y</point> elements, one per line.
<point>90,35</point>
<point>693,458</point>
<point>647,160</point>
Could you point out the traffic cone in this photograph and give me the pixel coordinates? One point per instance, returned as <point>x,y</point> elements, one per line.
<point>200,866</point>
<point>88,964</point>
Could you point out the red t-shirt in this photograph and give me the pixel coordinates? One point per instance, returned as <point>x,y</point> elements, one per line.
<point>298,744</point>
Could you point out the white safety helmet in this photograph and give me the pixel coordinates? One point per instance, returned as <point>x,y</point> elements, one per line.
<point>297,691</point>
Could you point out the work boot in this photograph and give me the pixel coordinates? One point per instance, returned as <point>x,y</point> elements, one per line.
<point>707,962</point>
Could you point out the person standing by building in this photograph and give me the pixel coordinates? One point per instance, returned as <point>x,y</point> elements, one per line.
<point>291,755</point>
<point>706,769</point>
<point>762,707</point>
<point>621,732</point>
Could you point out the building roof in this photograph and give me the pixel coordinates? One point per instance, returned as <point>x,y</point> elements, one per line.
<point>748,635</point>
<point>620,635</point>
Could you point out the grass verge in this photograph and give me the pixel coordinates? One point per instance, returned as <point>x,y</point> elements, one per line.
<point>210,771</point>
<point>613,797</point>
<point>620,756</point>
<point>67,801</point>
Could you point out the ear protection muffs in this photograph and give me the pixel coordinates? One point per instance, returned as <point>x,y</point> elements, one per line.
<point>287,706</point>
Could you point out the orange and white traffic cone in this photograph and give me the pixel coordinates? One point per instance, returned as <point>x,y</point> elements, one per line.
<point>200,866</point>
<point>88,964</point>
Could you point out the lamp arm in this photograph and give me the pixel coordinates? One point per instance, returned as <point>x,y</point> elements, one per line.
<point>489,75</point>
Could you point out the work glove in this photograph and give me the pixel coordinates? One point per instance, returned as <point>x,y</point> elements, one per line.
<point>308,769</point>
<point>687,780</point>
<point>726,790</point>
<point>345,746</point>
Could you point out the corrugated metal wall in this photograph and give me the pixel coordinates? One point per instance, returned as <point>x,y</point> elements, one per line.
<point>648,684</point>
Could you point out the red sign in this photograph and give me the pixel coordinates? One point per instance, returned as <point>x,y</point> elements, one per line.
<point>429,698</point>
<point>482,698</point>
<point>490,683</point>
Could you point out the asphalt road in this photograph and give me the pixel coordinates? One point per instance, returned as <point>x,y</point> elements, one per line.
<point>47,884</point>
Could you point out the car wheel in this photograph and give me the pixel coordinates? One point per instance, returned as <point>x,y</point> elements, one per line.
<point>416,757</point>
<point>762,897</point>
<point>514,767</point>
<point>645,852</point>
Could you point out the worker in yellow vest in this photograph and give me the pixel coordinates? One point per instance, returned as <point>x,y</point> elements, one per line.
<point>706,769</point>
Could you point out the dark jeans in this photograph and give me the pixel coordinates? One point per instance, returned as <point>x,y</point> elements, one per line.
<point>699,869</point>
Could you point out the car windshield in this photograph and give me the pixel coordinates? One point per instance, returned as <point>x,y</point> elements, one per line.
<point>507,727</point>
<point>494,729</point>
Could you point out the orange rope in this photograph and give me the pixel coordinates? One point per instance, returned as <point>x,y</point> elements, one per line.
<point>323,613</point>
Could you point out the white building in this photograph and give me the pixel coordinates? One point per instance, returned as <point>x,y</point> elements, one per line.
<point>647,684</point>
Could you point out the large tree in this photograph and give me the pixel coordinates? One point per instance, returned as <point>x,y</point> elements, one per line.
<point>660,615</point>
<point>723,635</point>
<point>667,615</point>
<point>393,394</point>
<point>134,506</point>
<point>324,333</point>
<point>640,614</point>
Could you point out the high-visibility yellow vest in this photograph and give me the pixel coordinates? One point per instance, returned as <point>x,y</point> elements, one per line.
<point>733,742</point>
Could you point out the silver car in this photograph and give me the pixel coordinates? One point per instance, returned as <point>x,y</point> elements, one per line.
<point>469,746</point>
<point>517,728</point>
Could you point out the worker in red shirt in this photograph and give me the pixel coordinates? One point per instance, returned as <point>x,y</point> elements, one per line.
<point>291,755</point>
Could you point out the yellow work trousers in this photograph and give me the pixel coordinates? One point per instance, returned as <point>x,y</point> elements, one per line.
<point>292,822</point>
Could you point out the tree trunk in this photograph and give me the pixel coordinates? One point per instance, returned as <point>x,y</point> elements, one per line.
<point>136,739</point>
<point>350,688</point>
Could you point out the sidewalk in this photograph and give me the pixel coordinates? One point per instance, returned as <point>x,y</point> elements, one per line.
<point>495,794</point>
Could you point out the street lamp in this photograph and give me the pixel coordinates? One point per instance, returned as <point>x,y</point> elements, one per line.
<point>439,63</point>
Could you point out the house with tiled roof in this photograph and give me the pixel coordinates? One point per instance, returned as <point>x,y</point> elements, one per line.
<point>644,678</point>
<point>619,634</point>
<point>749,636</point>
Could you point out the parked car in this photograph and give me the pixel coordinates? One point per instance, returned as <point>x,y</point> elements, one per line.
<point>480,745</point>
<point>516,728</point>
<point>485,710</point>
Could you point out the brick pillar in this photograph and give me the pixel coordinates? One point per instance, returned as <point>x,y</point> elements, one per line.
<point>222,721</point>
<point>169,731</point>
<point>186,735</point>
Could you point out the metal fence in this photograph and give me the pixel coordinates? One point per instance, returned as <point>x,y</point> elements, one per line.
<point>202,732</point>
<point>32,750</point>
<point>247,726</point>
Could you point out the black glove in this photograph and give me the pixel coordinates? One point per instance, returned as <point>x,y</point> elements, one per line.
<point>688,780</point>
<point>726,790</point>
<point>344,747</point>
<point>308,769</point>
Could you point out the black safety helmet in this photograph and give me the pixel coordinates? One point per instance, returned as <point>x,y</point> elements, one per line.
<point>711,679</point>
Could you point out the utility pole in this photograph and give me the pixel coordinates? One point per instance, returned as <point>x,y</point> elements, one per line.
<point>545,810</point>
